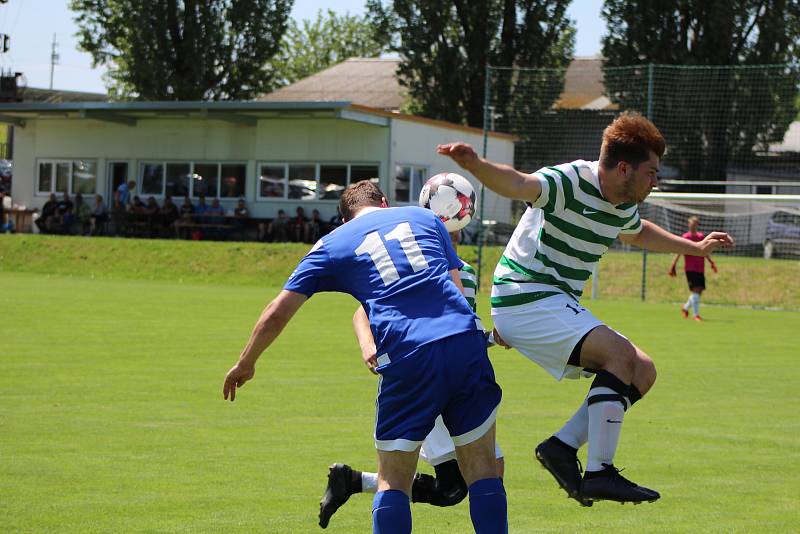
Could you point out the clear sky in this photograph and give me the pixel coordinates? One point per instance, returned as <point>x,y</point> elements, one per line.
<point>32,23</point>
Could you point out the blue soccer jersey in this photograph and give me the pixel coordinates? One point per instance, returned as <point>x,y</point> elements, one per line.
<point>395,261</point>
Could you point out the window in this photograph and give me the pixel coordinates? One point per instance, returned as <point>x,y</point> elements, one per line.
<point>232,180</point>
<point>764,190</point>
<point>204,180</point>
<point>84,176</point>
<point>364,172</point>
<point>272,181</point>
<point>178,179</point>
<point>311,181</point>
<point>177,183</point>
<point>332,181</point>
<point>152,182</point>
<point>409,180</point>
<point>45,177</point>
<point>62,176</point>
<point>66,176</point>
<point>302,182</point>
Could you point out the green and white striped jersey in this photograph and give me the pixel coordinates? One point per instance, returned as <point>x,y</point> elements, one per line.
<point>470,282</point>
<point>560,237</point>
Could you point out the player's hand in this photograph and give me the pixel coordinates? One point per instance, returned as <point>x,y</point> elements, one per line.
<point>714,268</point>
<point>462,153</point>
<point>370,358</point>
<point>499,340</point>
<point>672,272</point>
<point>713,241</point>
<point>236,377</point>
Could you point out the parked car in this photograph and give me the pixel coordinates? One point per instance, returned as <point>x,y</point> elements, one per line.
<point>494,233</point>
<point>783,234</point>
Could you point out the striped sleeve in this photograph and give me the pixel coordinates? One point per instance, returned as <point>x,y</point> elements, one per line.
<point>470,282</point>
<point>547,198</point>
<point>634,226</point>
<point>556,190</point>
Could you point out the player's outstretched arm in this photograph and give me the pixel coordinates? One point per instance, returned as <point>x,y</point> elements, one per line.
<point>653,237</point>
<point>273,319</point>
<point>365,340</point>
<point>672,271</point>
<point>500,178</point>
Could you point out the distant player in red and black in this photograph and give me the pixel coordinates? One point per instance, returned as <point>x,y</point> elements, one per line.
<point>694,266</point>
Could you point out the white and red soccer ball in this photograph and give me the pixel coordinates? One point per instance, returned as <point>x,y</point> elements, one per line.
<point>451,197</point>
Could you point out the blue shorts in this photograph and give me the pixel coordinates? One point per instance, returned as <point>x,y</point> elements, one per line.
<point>452,377</point>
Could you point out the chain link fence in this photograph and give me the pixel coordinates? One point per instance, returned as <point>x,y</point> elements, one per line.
<point>719,122</point>
<point>729,129</point>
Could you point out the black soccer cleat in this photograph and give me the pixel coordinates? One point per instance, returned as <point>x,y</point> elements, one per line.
<point>609,485</point>
<point>562,462</point>
<point>336,493</point>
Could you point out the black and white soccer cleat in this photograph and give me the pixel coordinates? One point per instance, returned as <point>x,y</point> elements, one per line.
<point>336,493</point>
<point>609,485</point>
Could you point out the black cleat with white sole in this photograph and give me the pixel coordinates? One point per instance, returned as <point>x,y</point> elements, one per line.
<point>609,485</point>
<point>562,462</point>
<point>337,492</point>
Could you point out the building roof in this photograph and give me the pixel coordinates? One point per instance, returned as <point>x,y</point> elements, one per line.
<point>583,85</point>
<point>368,82</point>
<point>373,82</point>
<point>791,140</point>
<point>54,96</point>
<point>244,113</point>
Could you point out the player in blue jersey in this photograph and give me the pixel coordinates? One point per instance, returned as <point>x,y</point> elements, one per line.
<point>399,264</point>
<point>447,487</point>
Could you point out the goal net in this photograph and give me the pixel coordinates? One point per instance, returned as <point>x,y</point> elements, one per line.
<point>761,225</point>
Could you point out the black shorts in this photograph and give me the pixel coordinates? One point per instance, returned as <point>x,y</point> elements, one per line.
<point>696,279</point>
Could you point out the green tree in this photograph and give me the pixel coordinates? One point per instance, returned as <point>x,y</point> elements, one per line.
<point>183,49</point>
<point>445,46</point>
<point>712,117</point>
<point>316,45</point>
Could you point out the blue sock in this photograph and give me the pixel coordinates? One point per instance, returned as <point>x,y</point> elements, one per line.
<point>487,506</point>
<point>391,513</point>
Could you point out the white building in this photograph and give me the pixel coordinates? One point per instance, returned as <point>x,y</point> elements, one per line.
<point>273,154</point>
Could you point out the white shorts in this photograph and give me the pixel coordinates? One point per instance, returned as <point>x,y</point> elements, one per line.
<point>546,331</point>
<point>438,446</point>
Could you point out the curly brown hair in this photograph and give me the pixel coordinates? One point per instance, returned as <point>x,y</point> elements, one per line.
<point>630,138</point>
<point>358,195</point>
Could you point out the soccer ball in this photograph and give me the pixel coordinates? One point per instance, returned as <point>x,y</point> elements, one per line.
<point>451,197</point>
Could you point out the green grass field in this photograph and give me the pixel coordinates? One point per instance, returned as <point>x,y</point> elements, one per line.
<point>112,418</point>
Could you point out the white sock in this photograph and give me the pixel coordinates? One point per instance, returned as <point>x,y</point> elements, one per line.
<point>696,304</point>
<point>369,482</point>
<point>689,302</point>
<point>575,432</point>
<point>605,424</point>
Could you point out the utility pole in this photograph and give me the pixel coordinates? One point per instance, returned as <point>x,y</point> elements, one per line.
<point>53,59</point>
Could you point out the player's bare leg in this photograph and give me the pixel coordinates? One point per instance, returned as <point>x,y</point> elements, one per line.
<point>391,510</point>
<point>487,496</point>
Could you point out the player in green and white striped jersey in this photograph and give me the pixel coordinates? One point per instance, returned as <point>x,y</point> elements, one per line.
<point>468,278</point>
<point>575,212</point>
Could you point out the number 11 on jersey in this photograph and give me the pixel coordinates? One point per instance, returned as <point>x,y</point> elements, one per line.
<point>373,245</point>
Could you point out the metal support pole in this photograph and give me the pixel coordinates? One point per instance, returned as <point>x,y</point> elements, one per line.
<point>487,114</point>
<point>649,116</point>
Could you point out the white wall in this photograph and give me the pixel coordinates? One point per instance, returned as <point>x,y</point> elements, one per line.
<point>278,140</point>
<point>415,143</point>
